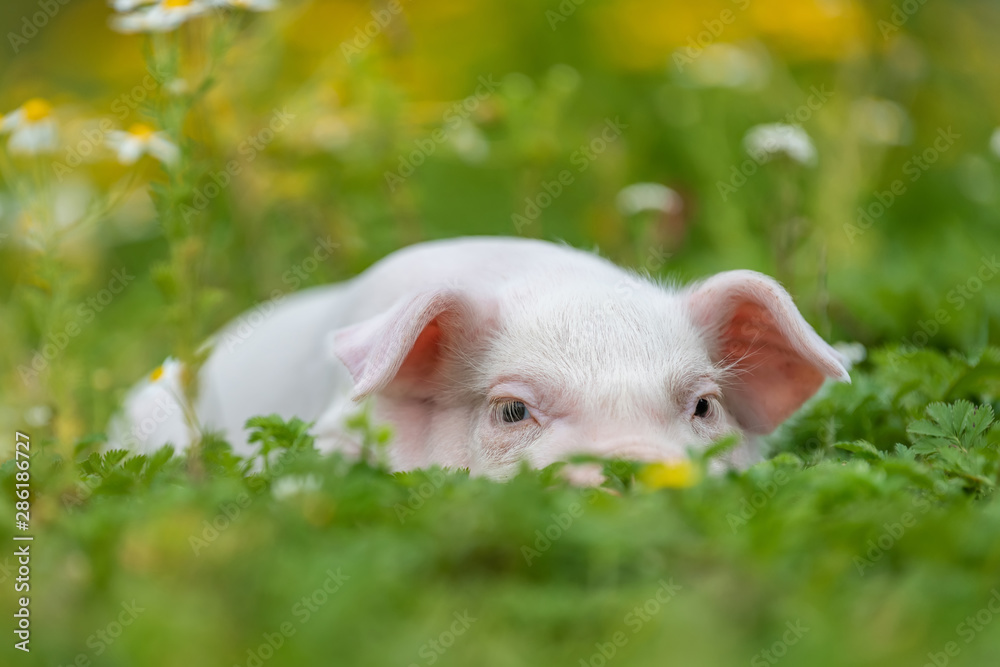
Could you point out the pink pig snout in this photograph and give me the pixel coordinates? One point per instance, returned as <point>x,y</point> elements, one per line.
<point>643,450</point>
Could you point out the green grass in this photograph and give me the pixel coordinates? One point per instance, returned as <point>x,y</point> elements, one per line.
<point>872,534</point>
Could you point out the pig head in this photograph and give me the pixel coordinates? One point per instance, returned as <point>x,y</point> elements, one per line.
<point>561,354</point>
<point>486,352</point>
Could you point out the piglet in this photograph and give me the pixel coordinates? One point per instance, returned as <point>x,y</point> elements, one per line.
<point>482,353</point>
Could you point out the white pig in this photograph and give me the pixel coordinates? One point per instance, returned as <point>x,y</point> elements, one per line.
<point>485,352</point>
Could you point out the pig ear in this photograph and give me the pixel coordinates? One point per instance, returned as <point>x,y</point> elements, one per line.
<point>778,360</point>
<point>406,342</point>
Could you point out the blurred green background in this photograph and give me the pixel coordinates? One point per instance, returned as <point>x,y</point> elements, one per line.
<point>456,118</point>
<point>359,113</point>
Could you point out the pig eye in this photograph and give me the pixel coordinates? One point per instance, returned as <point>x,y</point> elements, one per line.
<point>701,408</point>
<point>511,412</point>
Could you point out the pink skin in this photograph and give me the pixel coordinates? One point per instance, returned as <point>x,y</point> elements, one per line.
<point>612,409</point>
<point>439,335</point>
<point>605,372</point>
<point>571,432</point>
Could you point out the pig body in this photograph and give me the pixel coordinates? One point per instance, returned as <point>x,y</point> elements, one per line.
<point>483,352</point>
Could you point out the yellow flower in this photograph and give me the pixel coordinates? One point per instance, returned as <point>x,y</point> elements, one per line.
<point>140,130</point>
<point>670,474</point>
<point>167,15</point>
<point>158,16</point>
<point>31,126</point>
<point>640,34</point>
<point>36,109</point>
<point>141,139</point>
<point>169,373</point>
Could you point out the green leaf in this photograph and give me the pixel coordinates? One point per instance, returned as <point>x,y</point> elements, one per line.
<point>929,446</point>
<point>977,423</point>
<point>949,417</point>
<point>720,447</point>
<point>925,428</point>
<point>274,433</point>
<point>862,448</point>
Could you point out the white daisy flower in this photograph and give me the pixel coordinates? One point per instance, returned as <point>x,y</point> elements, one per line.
<point>647,197</point>
<point>161,16</point>
<point>153,413</point>
<point>31,127</point>
<point>139,140</point>
<point>763,142</point>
